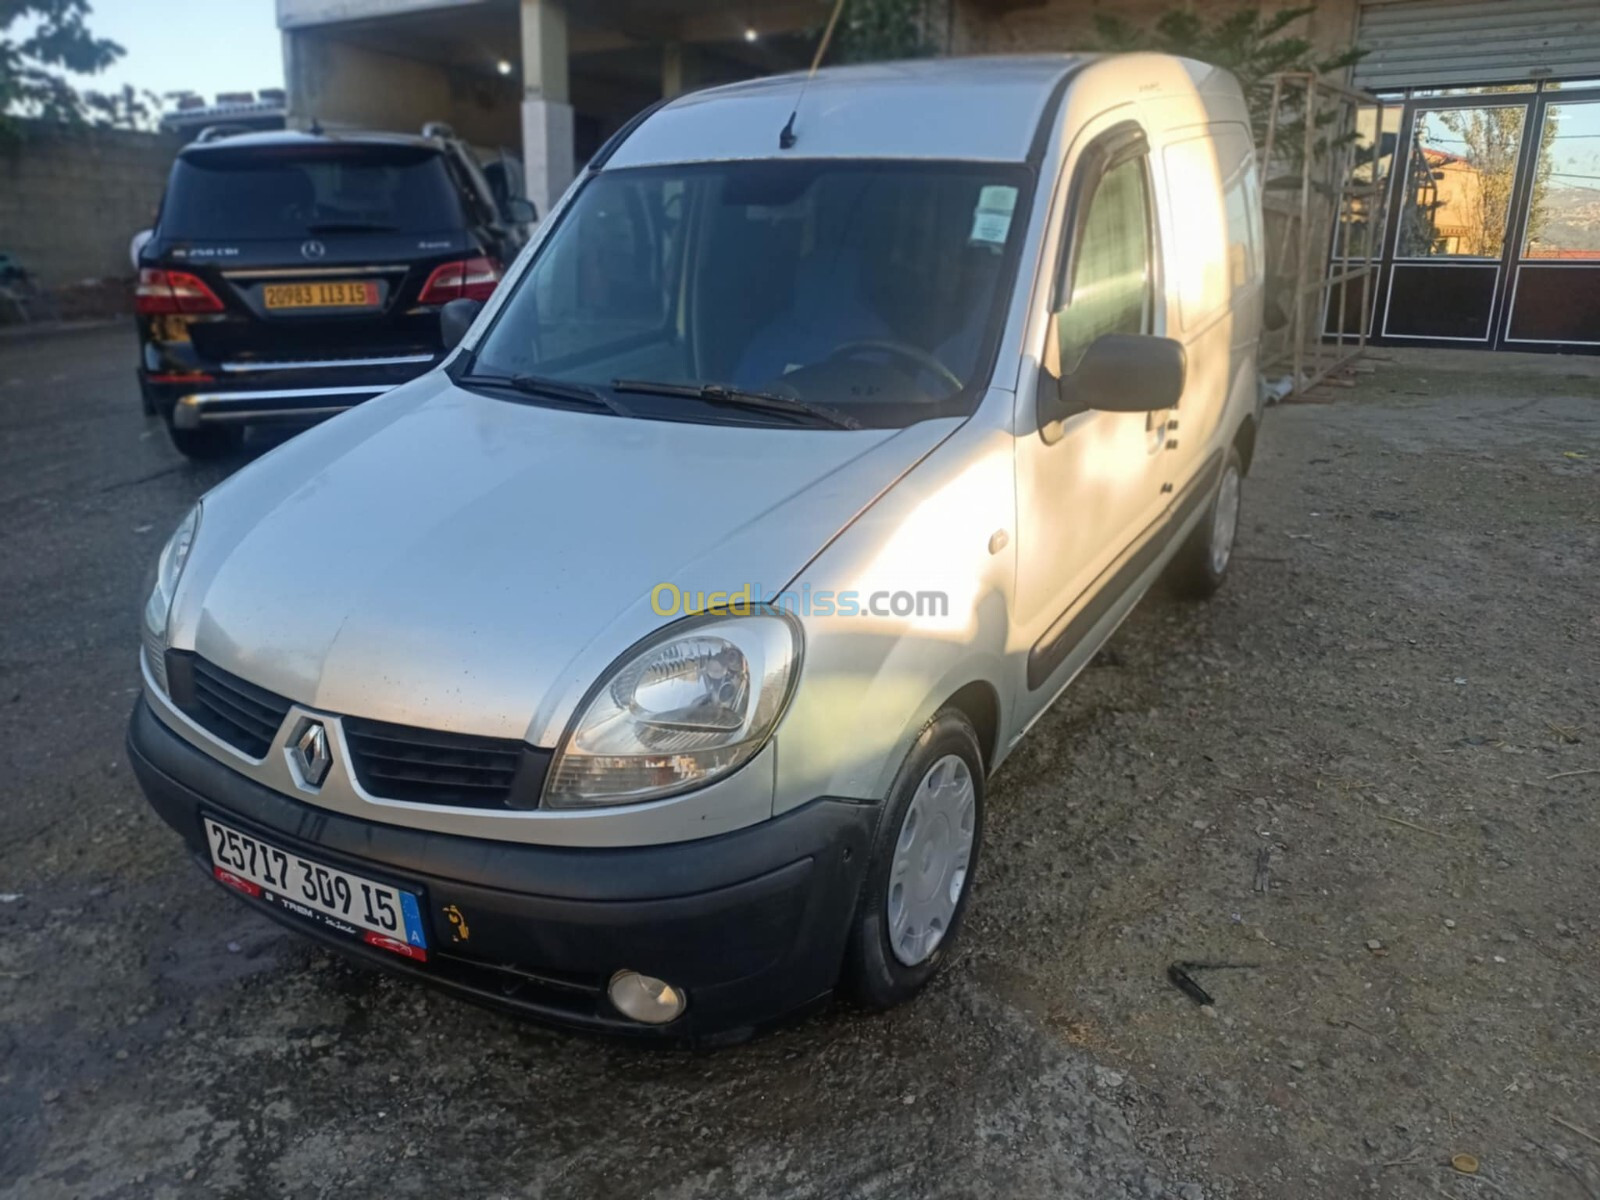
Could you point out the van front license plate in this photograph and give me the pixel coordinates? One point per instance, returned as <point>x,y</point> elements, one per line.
<point>320,295</point>
<point>382,916</point>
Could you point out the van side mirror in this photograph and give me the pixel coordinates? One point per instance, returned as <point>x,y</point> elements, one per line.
<point>455,318</point>
<point>521,210</point>
<point>1119,372</point>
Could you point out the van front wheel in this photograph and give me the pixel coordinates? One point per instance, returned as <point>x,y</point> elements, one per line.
<point>923,858</point>
<point>1199,568</point>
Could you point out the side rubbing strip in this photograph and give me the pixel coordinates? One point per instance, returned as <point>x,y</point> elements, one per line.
<point>1058,642</point>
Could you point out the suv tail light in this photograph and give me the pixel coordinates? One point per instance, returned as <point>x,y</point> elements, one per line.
<point>173,292</point>
<point>469,279</point>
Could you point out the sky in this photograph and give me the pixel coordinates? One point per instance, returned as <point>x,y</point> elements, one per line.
<point>205,46</point>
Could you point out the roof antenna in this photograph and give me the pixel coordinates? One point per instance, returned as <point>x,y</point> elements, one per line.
<point>787,136</point>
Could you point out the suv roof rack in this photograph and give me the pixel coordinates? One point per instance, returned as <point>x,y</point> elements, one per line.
<point>437,129</point>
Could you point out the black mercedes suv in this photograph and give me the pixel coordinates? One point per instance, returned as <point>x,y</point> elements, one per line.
<point>292,275</point>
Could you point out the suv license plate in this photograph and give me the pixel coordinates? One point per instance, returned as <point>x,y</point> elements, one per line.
<point>382,916</point>
<point>320,295</point>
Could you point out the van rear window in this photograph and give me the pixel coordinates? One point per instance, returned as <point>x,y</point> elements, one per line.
<point>267,192</point>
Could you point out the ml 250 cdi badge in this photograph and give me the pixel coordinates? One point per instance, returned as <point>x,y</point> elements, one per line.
<point>642,667</point>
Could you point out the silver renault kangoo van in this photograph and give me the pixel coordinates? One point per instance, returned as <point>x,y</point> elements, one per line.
<point>642,668</point>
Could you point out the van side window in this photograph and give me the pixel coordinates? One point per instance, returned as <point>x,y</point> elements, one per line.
<point>1214,192</point>
<point>1110,288</point>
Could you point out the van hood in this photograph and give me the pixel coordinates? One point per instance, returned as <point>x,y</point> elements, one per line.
<point>444,559</point>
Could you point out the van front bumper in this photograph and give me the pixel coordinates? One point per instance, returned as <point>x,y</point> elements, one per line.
<point>751,925</point>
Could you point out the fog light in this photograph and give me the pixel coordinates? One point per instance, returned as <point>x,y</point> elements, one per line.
<point>645,998</point>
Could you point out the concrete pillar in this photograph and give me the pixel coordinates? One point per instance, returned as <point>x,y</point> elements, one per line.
<point>298,91</point>
<point>546,113</point>
<point>672,80</point>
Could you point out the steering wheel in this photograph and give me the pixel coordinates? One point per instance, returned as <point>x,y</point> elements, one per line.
<point>903,350</point>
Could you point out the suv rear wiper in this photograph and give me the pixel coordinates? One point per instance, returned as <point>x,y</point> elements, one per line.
<point>718,393</point>
<point>550,389</point>
<point>350,227</point>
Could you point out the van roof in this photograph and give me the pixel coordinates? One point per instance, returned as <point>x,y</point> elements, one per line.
<point>947,108</point>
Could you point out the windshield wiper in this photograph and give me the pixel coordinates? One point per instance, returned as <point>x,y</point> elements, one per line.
<point>350,227</point>
<point>718,393</point>
<point>550,389</point>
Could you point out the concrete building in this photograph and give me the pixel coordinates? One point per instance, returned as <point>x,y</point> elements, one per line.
<point>548,79</point>
<point>1505,92</point>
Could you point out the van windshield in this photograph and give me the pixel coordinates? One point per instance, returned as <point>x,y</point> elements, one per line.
<point>873,289</point>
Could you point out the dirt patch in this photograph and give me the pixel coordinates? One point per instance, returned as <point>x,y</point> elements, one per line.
<point>1365,771</point>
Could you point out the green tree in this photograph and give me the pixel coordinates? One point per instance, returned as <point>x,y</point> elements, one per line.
<point>880,30</point>
<point>1493,138</point>
<point>1251,46</point>
<point>1468,186</point>
<point>39,40</point>
<point>127,108</point>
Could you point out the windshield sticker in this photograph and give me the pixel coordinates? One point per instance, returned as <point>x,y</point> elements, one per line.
<point>991,222</point>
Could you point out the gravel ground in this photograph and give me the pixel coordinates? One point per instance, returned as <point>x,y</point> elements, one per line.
<point>1367,770</point>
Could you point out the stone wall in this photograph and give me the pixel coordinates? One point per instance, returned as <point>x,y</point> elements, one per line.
<point>71,199</point>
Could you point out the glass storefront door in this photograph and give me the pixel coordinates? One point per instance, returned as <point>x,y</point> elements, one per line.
<point>1452,220</point>
<point>1555,293</point>
<point>1493,231</point>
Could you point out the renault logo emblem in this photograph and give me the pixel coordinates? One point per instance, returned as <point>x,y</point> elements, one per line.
<point>313,249</point>
<point>309,752</point>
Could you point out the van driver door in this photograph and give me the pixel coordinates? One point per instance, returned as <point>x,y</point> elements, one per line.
<point>1089,485</point>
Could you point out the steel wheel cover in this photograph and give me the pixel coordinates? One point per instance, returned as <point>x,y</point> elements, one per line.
<point>1224,521</point>
<point>932,856</point>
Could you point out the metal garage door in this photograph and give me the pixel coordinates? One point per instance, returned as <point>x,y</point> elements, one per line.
<point>1437,43</point>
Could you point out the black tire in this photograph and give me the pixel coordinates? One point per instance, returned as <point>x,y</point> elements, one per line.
<point>203,445</point>
<point>872,975</point>
<point>1198,569</point>
<point>146,400</point>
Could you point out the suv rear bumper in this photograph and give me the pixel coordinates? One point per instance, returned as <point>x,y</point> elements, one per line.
<point>752,924</point>
<point>191,410</point>
<point>196,393</point>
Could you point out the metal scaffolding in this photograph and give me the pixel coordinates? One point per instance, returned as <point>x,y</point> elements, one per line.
<point>1324,205</point>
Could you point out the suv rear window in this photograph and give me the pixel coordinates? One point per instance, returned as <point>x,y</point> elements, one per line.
<point>268,192</point>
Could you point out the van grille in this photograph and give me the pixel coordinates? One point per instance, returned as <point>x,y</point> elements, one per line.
<point>245,716</point>
<point>427,766</point>
<point>391,762</point>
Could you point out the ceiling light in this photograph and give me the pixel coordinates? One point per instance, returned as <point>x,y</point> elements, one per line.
<point>504,66</point>
<point>750,35</point>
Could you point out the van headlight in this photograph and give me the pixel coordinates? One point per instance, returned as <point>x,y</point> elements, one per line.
<point>169,569</point>
<point>687,706</point>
